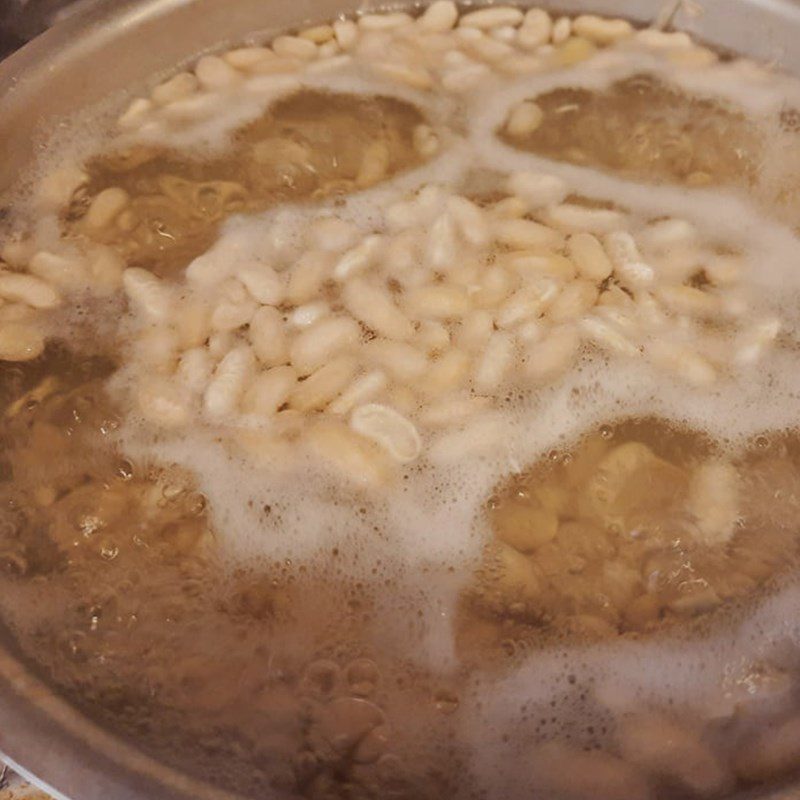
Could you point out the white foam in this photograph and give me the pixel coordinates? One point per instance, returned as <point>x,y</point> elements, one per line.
<point>430,518</point>
<point>574,688</point>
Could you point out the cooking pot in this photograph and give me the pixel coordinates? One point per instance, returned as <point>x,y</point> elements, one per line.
<point>114,48</point>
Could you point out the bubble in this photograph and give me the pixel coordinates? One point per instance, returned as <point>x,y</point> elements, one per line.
<point>124,469</point>
<point>446,701</point>
<point>362,677</point>
<point>320,679</point>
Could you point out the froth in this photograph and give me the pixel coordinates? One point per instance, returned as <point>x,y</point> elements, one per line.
<point>585,692</point>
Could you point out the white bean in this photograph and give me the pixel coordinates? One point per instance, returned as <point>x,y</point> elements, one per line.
<point>601,30</point>
<point>215,73</point>
<point>294,47</point>
<point>248,58</point>
<point>491,17</point>
<point>627,260</point>
<point>432,336</point>
<point>175,88</point>
<point>476,437</point>
<point>20,341</point>
<point>383,21</point>
<point>232,375</point>
<point>475,330</point>
<point>470,219</point>
<point>525,234</point>
<point>504,33</point>
<point>351,454</point>
<point>55,190</point>
<point>607,336</point>
<point>323,385</point>
<point>492,288</point>
<point>538,189</point>
<point>451,410</point>
<point>195,368</point>
<point>18,287</point>
<point>106,268</point>
<point>308,314</point>
<point>373,305</point>
<point>665,234</point>
<point>683,362</point>
<point>676,752</point>
<point>319,34</point>
<point>219,343</point>
<point>16,252</point>
<point>163,403</point>
<point>441,248</point>
<point>264,284</point>
<point>325,338</point>
<point>530,331</point>
<point>486,48</point>
<point>16,312</point>
<point>494,363</point>
<point>551,265</point>
<point>574,301</point>
<point>307,275</point>
<point>521,64</point>
<point>425,140</point>
<point>663,40</point>
<point>67,271</point>
<point>361,390</point>
<point>568,771</point>
<point>157,349</point>
<point>447,372</point>
<point>135,114</point>
<point>553,354</point>
<point>724,270</point>
<point>413,75</point>
<point>462,79</point>
<point>589,257</point>
<point>572,217</point>
<point>346,32</point>
<point>536,29</point>
<point>436,301</point>
<point>510,208</point>
<point>529,301</point>
<point>439,16</point>
<point>149,294</point>
<point>390,430</point>
<point>689,300</point>
<point>524,119</point>
<point>333,234</point>
<point>375,162</point>
<point>562,28</point>
<point>269,390</point>
<point>267,336</point>
<point>752,344</point>
<point>193,322</point>
<point>105,207</point>
<point>401,360</point>
<point>228,316</point>
<point>359,257</point>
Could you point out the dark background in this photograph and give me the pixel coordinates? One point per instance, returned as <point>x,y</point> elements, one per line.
<point>21,20</point>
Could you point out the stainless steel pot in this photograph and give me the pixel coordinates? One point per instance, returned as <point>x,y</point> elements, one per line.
<point>113,47</point>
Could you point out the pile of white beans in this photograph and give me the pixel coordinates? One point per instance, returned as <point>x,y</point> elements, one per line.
<point>370,334</point>
<point>363,336</point>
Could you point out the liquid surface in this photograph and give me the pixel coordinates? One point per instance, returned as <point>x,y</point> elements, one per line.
<point>424,395</point>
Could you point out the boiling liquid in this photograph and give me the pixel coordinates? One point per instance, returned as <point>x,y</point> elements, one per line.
<point>310,677</point>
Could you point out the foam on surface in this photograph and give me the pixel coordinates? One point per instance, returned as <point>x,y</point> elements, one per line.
<point>430,517</point>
